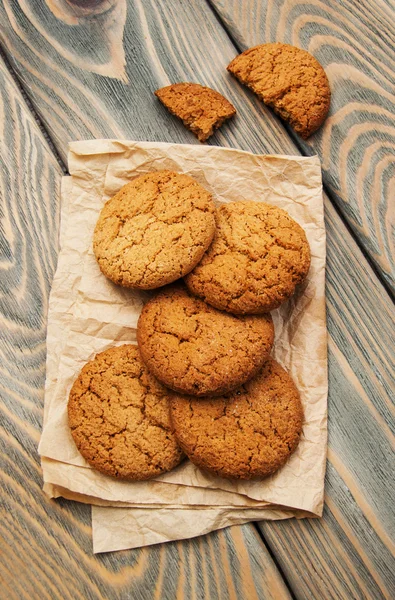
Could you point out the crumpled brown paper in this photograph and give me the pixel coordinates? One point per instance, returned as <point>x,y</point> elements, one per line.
<point>88,314</point>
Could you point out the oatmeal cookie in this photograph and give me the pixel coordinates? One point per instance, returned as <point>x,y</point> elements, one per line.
<point>154,230</point>
<point>196,349</point>
<point>258,256</point>
<point>247,434</point>
<point>119,417</point>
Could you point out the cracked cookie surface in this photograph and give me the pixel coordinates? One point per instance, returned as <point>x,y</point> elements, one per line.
<point>288,79</point>
<point>258,256</point>
<point>247,434</point>
<point>154,230</point>
<point>119,417</point>
<point>201,109</point>
<point>196,349</point>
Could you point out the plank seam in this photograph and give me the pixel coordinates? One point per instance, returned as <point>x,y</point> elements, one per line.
<point>332,197</point>
<point>32,110</point>
<point>275,561</point>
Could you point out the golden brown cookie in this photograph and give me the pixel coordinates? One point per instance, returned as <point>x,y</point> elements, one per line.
<point>289,80</point>
<point>195,349</point>
<point>119,417</point>
<point>154,230</point>
<point>258,256</point>
<point>247,434</point>
<point>201,109</point>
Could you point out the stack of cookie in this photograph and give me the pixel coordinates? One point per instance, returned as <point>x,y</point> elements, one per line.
<point>201,381</point>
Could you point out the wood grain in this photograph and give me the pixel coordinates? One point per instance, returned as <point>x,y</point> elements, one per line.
<point>76,104</point>
<point>45,546</point>
<point>354,42</point>
<point>166,41</point>
<point>352,547</point>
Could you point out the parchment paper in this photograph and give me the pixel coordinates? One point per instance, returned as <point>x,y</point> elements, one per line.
<point>88,314</point>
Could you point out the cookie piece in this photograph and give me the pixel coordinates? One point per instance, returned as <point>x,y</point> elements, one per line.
<point>119,417</point>
<point>154,230</point>
<point>195,349</point>
<point>289,80</point>
<point>201,109</point>
<point>258,256</point>
<point>247,434</point>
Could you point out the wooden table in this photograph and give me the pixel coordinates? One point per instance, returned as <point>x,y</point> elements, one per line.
<point>66,75</point>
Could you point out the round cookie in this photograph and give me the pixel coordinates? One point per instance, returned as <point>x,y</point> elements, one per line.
<point>258,256</point>
<point>154,230</point>
<point>119,417</point>
<point>289,80</point>
<point>247,434</point>
<point>195,349</point>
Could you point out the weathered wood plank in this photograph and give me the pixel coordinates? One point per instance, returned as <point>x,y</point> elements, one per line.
<point>45,546</point>
<point>352,548</point>
<point>354,41</point>
<point>163,41</point>
<point>183,41</point>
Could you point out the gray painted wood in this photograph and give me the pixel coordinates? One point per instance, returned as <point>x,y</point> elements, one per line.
<point>181,40</point>
<point>45,546</point>
<point>354,41</point>
<point>166,41</point>
<point>350,552</point>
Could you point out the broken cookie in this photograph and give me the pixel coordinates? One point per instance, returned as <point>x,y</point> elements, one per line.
<point>201,109</point>
<point>289,80</point>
